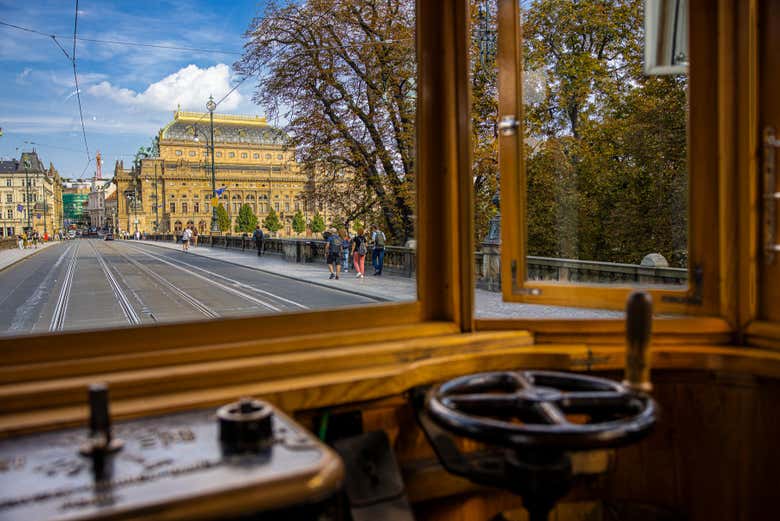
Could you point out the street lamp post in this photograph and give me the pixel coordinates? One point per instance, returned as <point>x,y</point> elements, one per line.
<point>45,230</point>
<point>27,194</point>
<point>211,106</point>
<point>156,203</point>
<point>135,203</point>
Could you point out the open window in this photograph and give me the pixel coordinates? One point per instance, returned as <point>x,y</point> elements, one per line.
<point>603,188</point>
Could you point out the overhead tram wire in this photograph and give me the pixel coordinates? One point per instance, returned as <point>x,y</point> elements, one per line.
<point>78,89</point>
<point>119,42</point>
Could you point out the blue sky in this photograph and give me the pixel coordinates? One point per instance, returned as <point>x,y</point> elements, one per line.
<point>127,92</point>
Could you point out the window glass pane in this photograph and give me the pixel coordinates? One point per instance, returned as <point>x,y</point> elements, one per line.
<point>605,149</point>
<point>605,154</point>
<point>98,245</point>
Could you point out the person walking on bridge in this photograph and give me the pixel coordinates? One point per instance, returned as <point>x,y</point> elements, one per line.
<point>378,257</point>
<point>185,239</point>
<point>259,238</point>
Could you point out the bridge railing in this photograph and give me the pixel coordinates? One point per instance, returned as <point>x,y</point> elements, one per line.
<point>403,261</point>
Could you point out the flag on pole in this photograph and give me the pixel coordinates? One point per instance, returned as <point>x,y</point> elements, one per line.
<point>219,191</point>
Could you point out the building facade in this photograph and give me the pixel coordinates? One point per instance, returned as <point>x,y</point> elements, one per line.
<point>30,196</point>
<point>252,166</point>
<point>75,194</point>
<point>97,209</point>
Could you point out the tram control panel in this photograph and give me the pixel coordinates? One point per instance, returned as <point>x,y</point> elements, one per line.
<point>242,461</point>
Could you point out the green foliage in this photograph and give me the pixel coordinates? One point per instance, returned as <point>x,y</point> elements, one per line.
<point>223,219</point>
<point>272,222</point>
<point>246,220</point>
<point>605,145</point>
<point>317,224</point>
<point>298,223</point>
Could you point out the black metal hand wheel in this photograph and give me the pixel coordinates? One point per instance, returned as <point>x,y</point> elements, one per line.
<point>534,419</point>
<point>541,410</point>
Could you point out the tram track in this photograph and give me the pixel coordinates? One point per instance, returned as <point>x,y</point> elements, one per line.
<point>121,297</point>
<point>61,307</point>
<point>231,288</point>
<point>192,301</point>
<point>227,280</point>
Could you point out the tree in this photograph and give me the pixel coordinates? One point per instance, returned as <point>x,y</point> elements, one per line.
<point>606,145</point>
<point>317,224</point>
<point>272,222</point>
<point>484,114</point>
<point>298,223</point>
<point>223,219</point>
<point>246,220</point>
<point>345,72</point>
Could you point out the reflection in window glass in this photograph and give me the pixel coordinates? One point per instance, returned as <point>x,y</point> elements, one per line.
<point>605,153</point>
<point>110,253</point>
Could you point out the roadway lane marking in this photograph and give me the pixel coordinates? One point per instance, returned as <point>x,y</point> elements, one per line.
<point>24,311</point>
<point>58,317</point>
<point>210,281</point>
<point>189,299</point>
<point>119,293</point>
<point>238,284</point>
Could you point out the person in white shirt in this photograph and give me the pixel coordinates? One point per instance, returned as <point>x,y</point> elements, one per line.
<point>185,239</point>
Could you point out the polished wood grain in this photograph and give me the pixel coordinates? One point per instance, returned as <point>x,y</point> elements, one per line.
<point>110,363</point>
<point>443,165</point>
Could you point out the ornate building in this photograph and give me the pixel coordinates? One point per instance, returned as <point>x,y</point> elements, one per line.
<point>30,195</point>
<point>253,166</point>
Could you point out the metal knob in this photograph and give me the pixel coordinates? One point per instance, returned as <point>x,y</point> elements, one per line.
<point>100,442</point>
<point>639,321</point>
<point>246,425</point>
<point>100,437</point>
<point>508,125</point>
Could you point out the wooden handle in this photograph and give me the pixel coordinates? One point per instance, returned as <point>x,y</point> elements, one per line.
<point>639,321</point>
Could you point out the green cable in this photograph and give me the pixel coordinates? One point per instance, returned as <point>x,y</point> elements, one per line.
<point>324,425</point>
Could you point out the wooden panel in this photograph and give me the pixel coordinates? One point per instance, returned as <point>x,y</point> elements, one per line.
<point>442,141</point>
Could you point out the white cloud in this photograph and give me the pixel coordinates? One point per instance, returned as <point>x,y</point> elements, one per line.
<point>189,87</point>
<point>21,78</point>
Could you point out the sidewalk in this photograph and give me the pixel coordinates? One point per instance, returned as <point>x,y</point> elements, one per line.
<point>489,304</point>
<point>386,287</point>
<point>12,256</point>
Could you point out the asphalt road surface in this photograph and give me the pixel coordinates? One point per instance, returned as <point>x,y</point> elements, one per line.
<point>90,283</point>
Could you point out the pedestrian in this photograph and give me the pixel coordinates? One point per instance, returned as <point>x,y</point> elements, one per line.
<point>378,239</point>
<point>185,239</point>
<point>20,241</point>
<point>258,237</point>
<point>194,236</point>
<point>25,240</point>
<point>345,245</point>
<point>333,251</point>
<point>359,250</point>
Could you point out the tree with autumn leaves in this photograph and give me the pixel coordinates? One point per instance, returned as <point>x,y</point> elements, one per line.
<point>342,72</point>
<point>605,145</point>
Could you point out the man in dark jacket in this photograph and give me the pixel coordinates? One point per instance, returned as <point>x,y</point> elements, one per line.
<point>258,238</point>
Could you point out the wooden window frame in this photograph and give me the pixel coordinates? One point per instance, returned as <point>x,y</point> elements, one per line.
<point>710,178</point>
<point>152,369</point>
<point>39,362</point>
